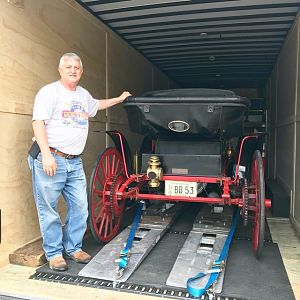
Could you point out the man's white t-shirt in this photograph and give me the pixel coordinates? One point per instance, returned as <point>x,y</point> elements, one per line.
<point>66,115</point>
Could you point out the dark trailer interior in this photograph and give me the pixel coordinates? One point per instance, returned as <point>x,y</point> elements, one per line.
<point>212,158</point>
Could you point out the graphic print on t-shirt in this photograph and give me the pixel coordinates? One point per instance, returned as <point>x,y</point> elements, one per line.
<point>75,114</point>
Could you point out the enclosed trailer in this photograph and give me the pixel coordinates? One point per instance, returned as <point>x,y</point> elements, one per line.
<point>249,47</point>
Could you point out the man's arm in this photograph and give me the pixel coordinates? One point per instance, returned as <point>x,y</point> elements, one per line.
<point>49,164</point>
<point>106,103</point>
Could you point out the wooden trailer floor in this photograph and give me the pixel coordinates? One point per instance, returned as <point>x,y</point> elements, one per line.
<point>276,276</point>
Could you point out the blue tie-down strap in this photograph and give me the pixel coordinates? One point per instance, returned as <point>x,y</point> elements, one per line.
<point>216,267</point>
<point>123,259</point>
<point>125,253</point>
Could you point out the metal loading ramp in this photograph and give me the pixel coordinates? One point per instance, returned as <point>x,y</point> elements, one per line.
<point>151,228</point>
<point>201,248</point>
<point>245,276</point>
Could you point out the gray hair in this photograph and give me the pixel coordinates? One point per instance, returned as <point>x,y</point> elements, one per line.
<point>69,55</point>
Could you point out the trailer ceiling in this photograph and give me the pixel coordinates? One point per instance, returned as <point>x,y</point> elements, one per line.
<point>203,43</point>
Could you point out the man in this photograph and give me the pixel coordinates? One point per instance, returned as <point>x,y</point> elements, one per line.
<point>60,124</point>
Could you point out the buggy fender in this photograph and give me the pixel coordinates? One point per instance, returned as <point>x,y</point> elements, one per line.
<point>122,146</point>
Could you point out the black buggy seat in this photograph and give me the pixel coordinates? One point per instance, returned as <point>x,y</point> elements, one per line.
<point>177,113</point>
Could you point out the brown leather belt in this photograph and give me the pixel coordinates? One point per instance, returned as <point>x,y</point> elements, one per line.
<point>59,153</point>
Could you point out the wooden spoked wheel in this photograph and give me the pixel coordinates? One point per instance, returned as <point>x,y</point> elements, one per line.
<point>257,203</point>
<point>105,208</point>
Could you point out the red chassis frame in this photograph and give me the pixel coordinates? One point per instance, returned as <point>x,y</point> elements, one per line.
<point>134,194</point>
<point>225,182</point>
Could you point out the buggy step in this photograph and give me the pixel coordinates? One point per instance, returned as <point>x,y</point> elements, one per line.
<point>149,231</point>
<point>202,247</point>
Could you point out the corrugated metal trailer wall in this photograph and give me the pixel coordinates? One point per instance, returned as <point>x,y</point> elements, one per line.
<point>33,36</point>
<point>284,121</point>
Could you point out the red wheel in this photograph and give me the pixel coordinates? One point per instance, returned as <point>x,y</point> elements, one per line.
<point>257,203</point>
<point>105,208</point>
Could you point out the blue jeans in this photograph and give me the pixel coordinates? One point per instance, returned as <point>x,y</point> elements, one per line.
<point>69,181</point>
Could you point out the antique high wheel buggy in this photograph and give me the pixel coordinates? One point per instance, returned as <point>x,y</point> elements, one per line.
<point>194,150</point>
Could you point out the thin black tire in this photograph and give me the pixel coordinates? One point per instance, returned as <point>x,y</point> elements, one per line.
<point>258,189</point>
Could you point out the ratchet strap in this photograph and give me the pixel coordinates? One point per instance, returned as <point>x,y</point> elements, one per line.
<point>217,266</point>
<point>125,252</point>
